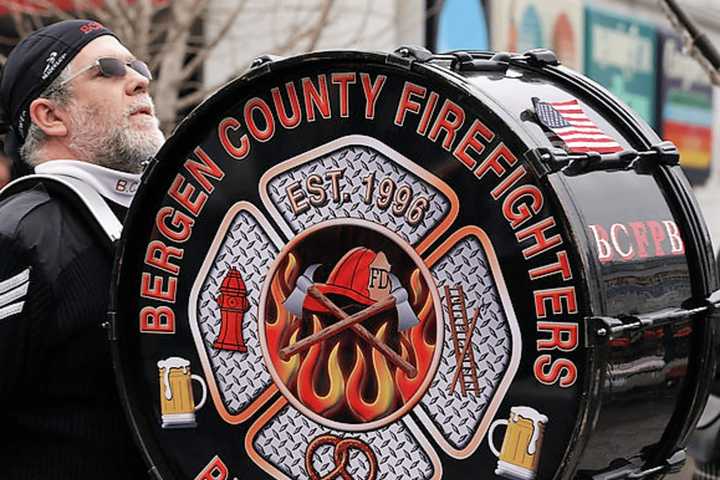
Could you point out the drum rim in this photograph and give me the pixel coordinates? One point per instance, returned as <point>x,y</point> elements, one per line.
<point>182,138</point>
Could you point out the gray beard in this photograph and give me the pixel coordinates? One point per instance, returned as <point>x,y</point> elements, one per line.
<point>99,140</point>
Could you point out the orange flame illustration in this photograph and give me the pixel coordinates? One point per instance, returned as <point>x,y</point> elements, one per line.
<point>385,397</point>
<point>326,378</point>
<point>421,351</point>
<point>308,374</point>
<point>276,330</point>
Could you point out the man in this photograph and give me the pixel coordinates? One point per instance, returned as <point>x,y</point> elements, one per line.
<point>78,104</point>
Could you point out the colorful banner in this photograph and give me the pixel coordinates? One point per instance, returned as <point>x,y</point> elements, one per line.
<point>521,25</point>
<point>686,108</point>
<point>621,53</point>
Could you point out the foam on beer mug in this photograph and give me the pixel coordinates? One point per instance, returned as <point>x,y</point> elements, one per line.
<point>536,418</point>
<point>167,364</point>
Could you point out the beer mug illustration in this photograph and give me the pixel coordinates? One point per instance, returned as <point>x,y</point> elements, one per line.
<point>177,404</point>
<point>520,453</point>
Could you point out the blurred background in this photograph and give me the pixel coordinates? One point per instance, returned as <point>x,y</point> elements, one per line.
<point>629,46</point>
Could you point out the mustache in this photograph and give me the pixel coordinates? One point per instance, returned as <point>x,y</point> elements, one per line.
<point>144,105</point>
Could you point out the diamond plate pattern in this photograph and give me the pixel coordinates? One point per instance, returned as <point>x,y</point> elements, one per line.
<point>356,161</point>
<point>240,377</point>
<point>456,416</point>
<point>284,440</point>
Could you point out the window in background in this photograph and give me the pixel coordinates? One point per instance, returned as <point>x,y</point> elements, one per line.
<point>457,25</point>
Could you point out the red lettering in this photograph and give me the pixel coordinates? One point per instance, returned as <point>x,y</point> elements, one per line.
<point>537,233</point>
<point>343,79</point>
<point>181,224</point>
<point>215,470</point>
<point>556,297</point>
<point>471,142</point>
<point>563,336</point>
<point>316,99</point>
<point>450,118</point>
<point>89,27</point>
<point>562,266</point>
<point>407,104</point>
<point>641,239</point>
<point>159,255</point>
<point>200,171</point>
<point>518,213</point>
<point>238,153</point>
<point>157,320</point>
<point>371,91</point>
<point>155,290</point>
<point>183,197</point>
<point>658,235</point>
<point>492,162</point>
<point>286,121</point>
<point>259,105</point>
<point>427,113</point>
<point>561,369</point>
<point>508,183</point>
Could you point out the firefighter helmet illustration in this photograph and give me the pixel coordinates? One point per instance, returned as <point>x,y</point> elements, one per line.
<point>362,276</point>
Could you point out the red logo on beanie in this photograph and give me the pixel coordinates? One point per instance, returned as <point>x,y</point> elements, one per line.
<point>90,27</point>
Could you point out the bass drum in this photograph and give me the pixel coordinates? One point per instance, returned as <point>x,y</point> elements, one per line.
<point>362,266</point>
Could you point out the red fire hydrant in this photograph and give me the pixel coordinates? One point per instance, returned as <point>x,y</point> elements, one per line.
<point>233,305</point>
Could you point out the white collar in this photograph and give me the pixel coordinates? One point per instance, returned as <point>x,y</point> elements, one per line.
<point>117,186</point>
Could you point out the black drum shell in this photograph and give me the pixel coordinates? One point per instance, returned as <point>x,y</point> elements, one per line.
<point>652,416</point>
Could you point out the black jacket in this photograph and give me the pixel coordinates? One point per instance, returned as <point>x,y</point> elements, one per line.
<point>60,416</point>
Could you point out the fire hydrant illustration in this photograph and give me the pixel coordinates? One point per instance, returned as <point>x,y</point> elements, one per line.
<point>233,304</point>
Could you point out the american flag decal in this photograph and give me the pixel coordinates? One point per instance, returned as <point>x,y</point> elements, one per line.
<point>572,128</point>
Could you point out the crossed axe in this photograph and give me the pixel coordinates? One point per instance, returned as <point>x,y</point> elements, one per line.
<point>398,298</point>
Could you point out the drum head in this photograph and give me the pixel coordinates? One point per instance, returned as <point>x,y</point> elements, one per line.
<point>321,277</point>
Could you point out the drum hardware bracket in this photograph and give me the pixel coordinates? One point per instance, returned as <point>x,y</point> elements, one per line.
<point>110,326</point>
<point>541,57</point>
<point>465,62</point>
<point>406,55</point>
<point>627,470</point>
<point>553,160</point>
<point>261,65</point>
<point>624,324</point>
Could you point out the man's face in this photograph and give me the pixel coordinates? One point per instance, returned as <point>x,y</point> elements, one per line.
<point>112,119</point>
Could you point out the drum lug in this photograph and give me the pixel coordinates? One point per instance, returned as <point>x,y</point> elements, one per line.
<point>541,57</point>
<point>555,159</point>
<point>406,55</point>
<point>463,62</point>
<point>261,65</point>
<point>545,160</point>
<point>614,327</point>
<point>667,153</point>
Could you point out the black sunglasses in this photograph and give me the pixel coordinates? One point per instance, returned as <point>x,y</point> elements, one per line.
<point>113,67</point>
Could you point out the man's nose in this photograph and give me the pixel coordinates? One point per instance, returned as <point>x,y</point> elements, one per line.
<point>135,82</point>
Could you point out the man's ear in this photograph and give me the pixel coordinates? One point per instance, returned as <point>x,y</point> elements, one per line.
<point>49,117</point>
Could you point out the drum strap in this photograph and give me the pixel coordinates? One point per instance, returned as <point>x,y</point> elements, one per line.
<point>97,212</point>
